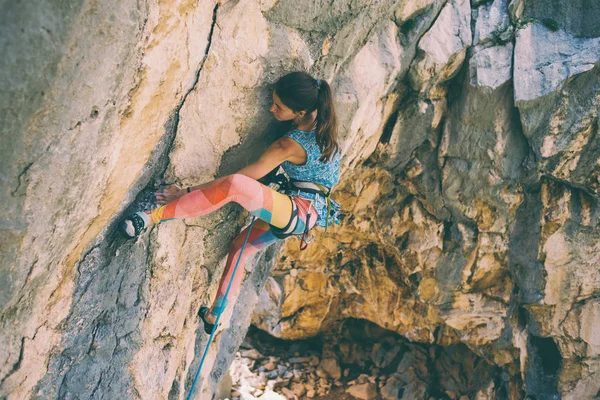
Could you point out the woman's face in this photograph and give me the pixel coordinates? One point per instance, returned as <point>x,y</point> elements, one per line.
<point>281,112</point>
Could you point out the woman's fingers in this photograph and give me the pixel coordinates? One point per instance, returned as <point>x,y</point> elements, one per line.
<point>164,197</point>
<point>160,197</point>
<point>167,194</point>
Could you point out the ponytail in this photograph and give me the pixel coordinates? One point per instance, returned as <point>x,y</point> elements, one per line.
<point>300,91</point>
<point>326,133</point>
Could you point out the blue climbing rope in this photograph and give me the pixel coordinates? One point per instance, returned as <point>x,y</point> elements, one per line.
<point>220,312</point>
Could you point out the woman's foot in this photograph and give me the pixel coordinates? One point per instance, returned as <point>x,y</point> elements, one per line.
<point>133,225</point>
<point>208,319</point>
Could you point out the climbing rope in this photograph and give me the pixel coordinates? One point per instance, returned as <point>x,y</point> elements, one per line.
<point>220,312</point>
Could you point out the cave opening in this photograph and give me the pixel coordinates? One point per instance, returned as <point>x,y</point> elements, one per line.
<point>354,359</point>
<point>543,368</point>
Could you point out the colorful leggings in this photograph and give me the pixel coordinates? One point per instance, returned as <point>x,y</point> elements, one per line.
<point>270,206</point>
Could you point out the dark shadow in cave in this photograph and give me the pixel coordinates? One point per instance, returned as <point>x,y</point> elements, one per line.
<point>363,347</point>
<point>543,368</point>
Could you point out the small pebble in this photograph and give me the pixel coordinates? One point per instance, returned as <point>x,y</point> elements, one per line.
<point>270,366</point>
<point>288,393</point>
<point>288,375</point>
<point>321,373</point>
<point>362,378</point>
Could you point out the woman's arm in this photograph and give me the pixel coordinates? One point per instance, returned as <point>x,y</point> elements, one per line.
<point>284,149</point>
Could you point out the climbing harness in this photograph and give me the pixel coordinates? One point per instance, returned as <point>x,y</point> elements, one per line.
<point>295,187</point>
<point>318,189</point>
<point>216,324</point>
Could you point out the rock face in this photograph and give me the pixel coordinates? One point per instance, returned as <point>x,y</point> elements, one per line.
<point>471,180</point>
<point>458,221</point>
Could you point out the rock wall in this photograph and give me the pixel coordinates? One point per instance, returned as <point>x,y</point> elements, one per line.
<point>473,220</point>
<point>470,138</point>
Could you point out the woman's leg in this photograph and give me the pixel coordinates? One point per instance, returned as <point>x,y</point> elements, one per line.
<point>260,237</point>
<point>260,200</point>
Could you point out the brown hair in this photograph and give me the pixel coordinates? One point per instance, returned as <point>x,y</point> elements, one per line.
<point>300,91</point>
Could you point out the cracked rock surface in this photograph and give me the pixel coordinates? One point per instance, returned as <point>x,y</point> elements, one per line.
<point>471,178</point>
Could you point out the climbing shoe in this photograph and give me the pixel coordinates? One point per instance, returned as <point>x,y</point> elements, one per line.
<point>208,327</point>
<point>133,225</point>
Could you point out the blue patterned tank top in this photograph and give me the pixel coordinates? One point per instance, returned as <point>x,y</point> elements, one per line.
<point>324,173</point>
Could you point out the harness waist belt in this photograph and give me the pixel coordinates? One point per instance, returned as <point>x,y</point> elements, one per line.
<point>311,187</point>
<point>316,188</point>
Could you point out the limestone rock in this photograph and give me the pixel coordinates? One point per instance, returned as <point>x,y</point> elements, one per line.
<point>364,89</point>
<point>331,367</point>
<point>251,353</point>
<point>299,389</point>
<point>492,22</point>
<point>491,66</point>
<point>590,325</point>
<point>383,355</point>
<point>499,213</point>
<point>578,16</point>
<point>544,59</point>
<point>442,49</point>
<point>560,128</point>
<point>99,78</point>
<point>391,390</point>
<point>365,391</point>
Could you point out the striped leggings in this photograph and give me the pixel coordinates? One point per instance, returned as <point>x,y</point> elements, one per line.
<point>268,205</point>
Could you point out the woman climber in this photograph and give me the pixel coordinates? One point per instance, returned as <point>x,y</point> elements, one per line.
<point>308,153</point>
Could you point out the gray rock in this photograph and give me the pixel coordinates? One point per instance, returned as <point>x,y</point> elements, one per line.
<point>492,21</point>
<point>560,129</point>
<point>579,17</point>
<point>383,355</point>
<point>491,66</point>
<point>544,59</point>
<point>364,391</point>
<point>442,49</point>
<point>391,389</point>
<point>332,367</point>
<point>251,353</point>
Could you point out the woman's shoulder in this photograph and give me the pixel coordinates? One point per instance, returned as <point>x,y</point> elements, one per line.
<point>290,145</point>
<point>305,138</point>
<point>296,131</point>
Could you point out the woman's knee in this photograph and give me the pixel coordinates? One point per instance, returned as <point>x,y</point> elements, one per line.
<point>242,189</point>
<point>240,180</point>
